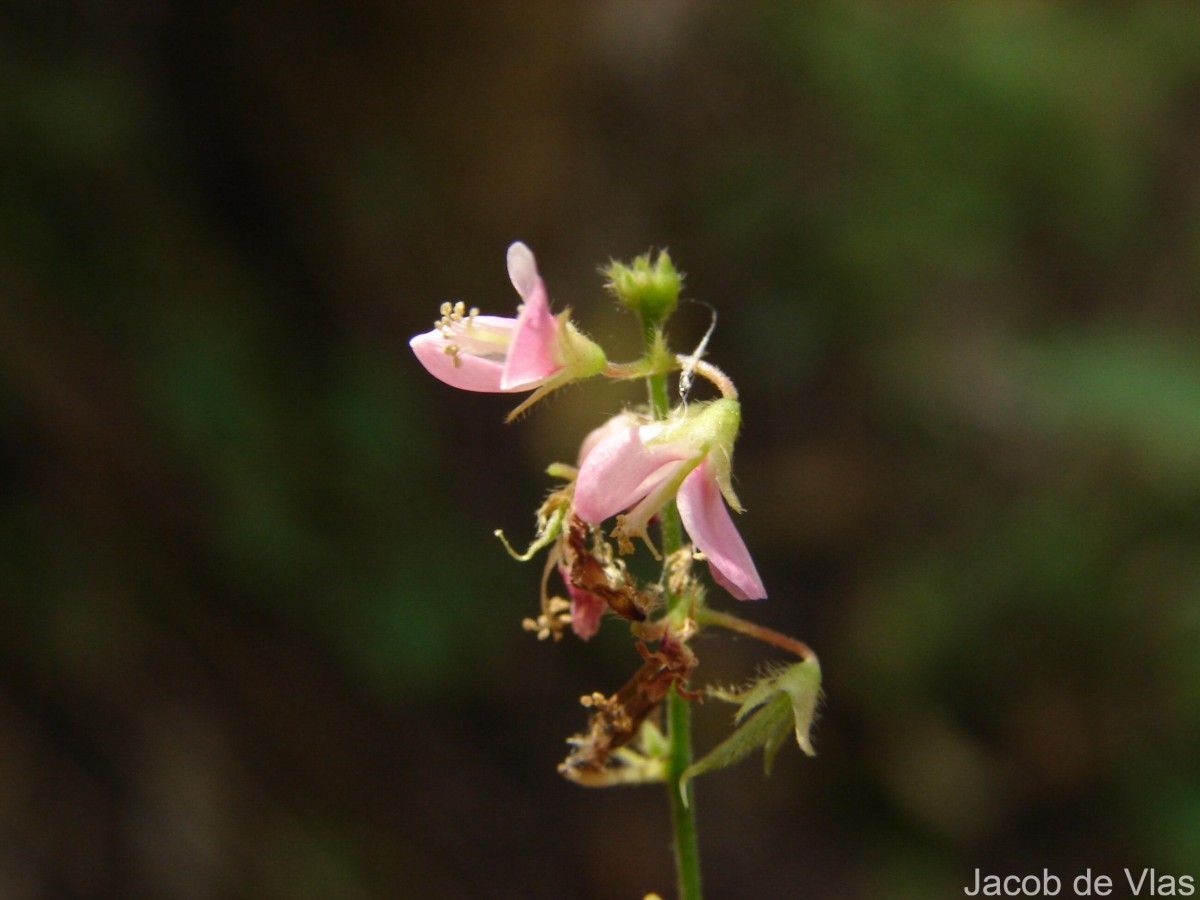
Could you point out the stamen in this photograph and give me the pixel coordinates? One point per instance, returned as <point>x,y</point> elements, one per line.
<point>625,531</point>
<point>679,570</point>
<point>455,318</point>
<point>546,626</point>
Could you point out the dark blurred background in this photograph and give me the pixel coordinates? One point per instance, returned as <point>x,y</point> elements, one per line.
<point>258,639</point>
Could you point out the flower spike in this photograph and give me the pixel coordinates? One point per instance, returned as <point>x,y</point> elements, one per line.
<point>664,469</point>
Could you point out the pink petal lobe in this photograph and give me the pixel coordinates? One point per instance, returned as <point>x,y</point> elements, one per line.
<point>619,422</point>
<point>533,354</point>
<point>619,471</point>
<point>586,608</point>
<point>704,515</point>
<point>522,268</point>
<point>460,370</point>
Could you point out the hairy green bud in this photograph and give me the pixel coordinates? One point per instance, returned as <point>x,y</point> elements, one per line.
<point>649,289</point>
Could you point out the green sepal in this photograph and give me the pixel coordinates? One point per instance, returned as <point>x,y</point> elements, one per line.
<point>711,428</point>
<point>562,470</point>
<point>802,684</point>
<point>651,741</point>
<point>771,747</point>
<point>549,529</point>
<point>582,357</point>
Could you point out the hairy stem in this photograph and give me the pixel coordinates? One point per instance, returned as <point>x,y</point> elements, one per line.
<point>683,809</point>
<point>669,527</point>
<point>711,372</point>
<point>679,714</point>
<point>706,616</point>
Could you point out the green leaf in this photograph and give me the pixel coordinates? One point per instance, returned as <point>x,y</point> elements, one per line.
<point>778,704</point>
<point>755,732</point>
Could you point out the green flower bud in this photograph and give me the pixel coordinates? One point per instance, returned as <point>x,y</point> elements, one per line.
<point>650,290</point>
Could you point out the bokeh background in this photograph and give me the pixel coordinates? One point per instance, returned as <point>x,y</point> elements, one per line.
<point>257,637</point>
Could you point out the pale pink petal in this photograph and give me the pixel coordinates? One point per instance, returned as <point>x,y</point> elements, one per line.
<point>619,471</point>
<point>533,354</point>
<point>702,509</point>
<point>617,423</point>
<point>522,268</point>
<point>661,486</point>
<point>460,370</point>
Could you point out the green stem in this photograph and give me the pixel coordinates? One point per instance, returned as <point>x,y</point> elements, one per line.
<point>683,809</point>
<point>679,713</point>
<point>670,529</point>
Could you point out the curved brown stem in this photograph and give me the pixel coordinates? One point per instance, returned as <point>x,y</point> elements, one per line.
<point>706,616</point>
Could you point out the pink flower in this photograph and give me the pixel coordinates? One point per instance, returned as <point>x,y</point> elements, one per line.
<point>633,467</point>
<point>500,355</point>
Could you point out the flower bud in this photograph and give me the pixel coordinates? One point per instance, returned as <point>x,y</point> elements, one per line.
<point>650,290</point>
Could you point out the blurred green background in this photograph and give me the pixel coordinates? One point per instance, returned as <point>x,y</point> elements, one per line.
<point>258,639</point>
